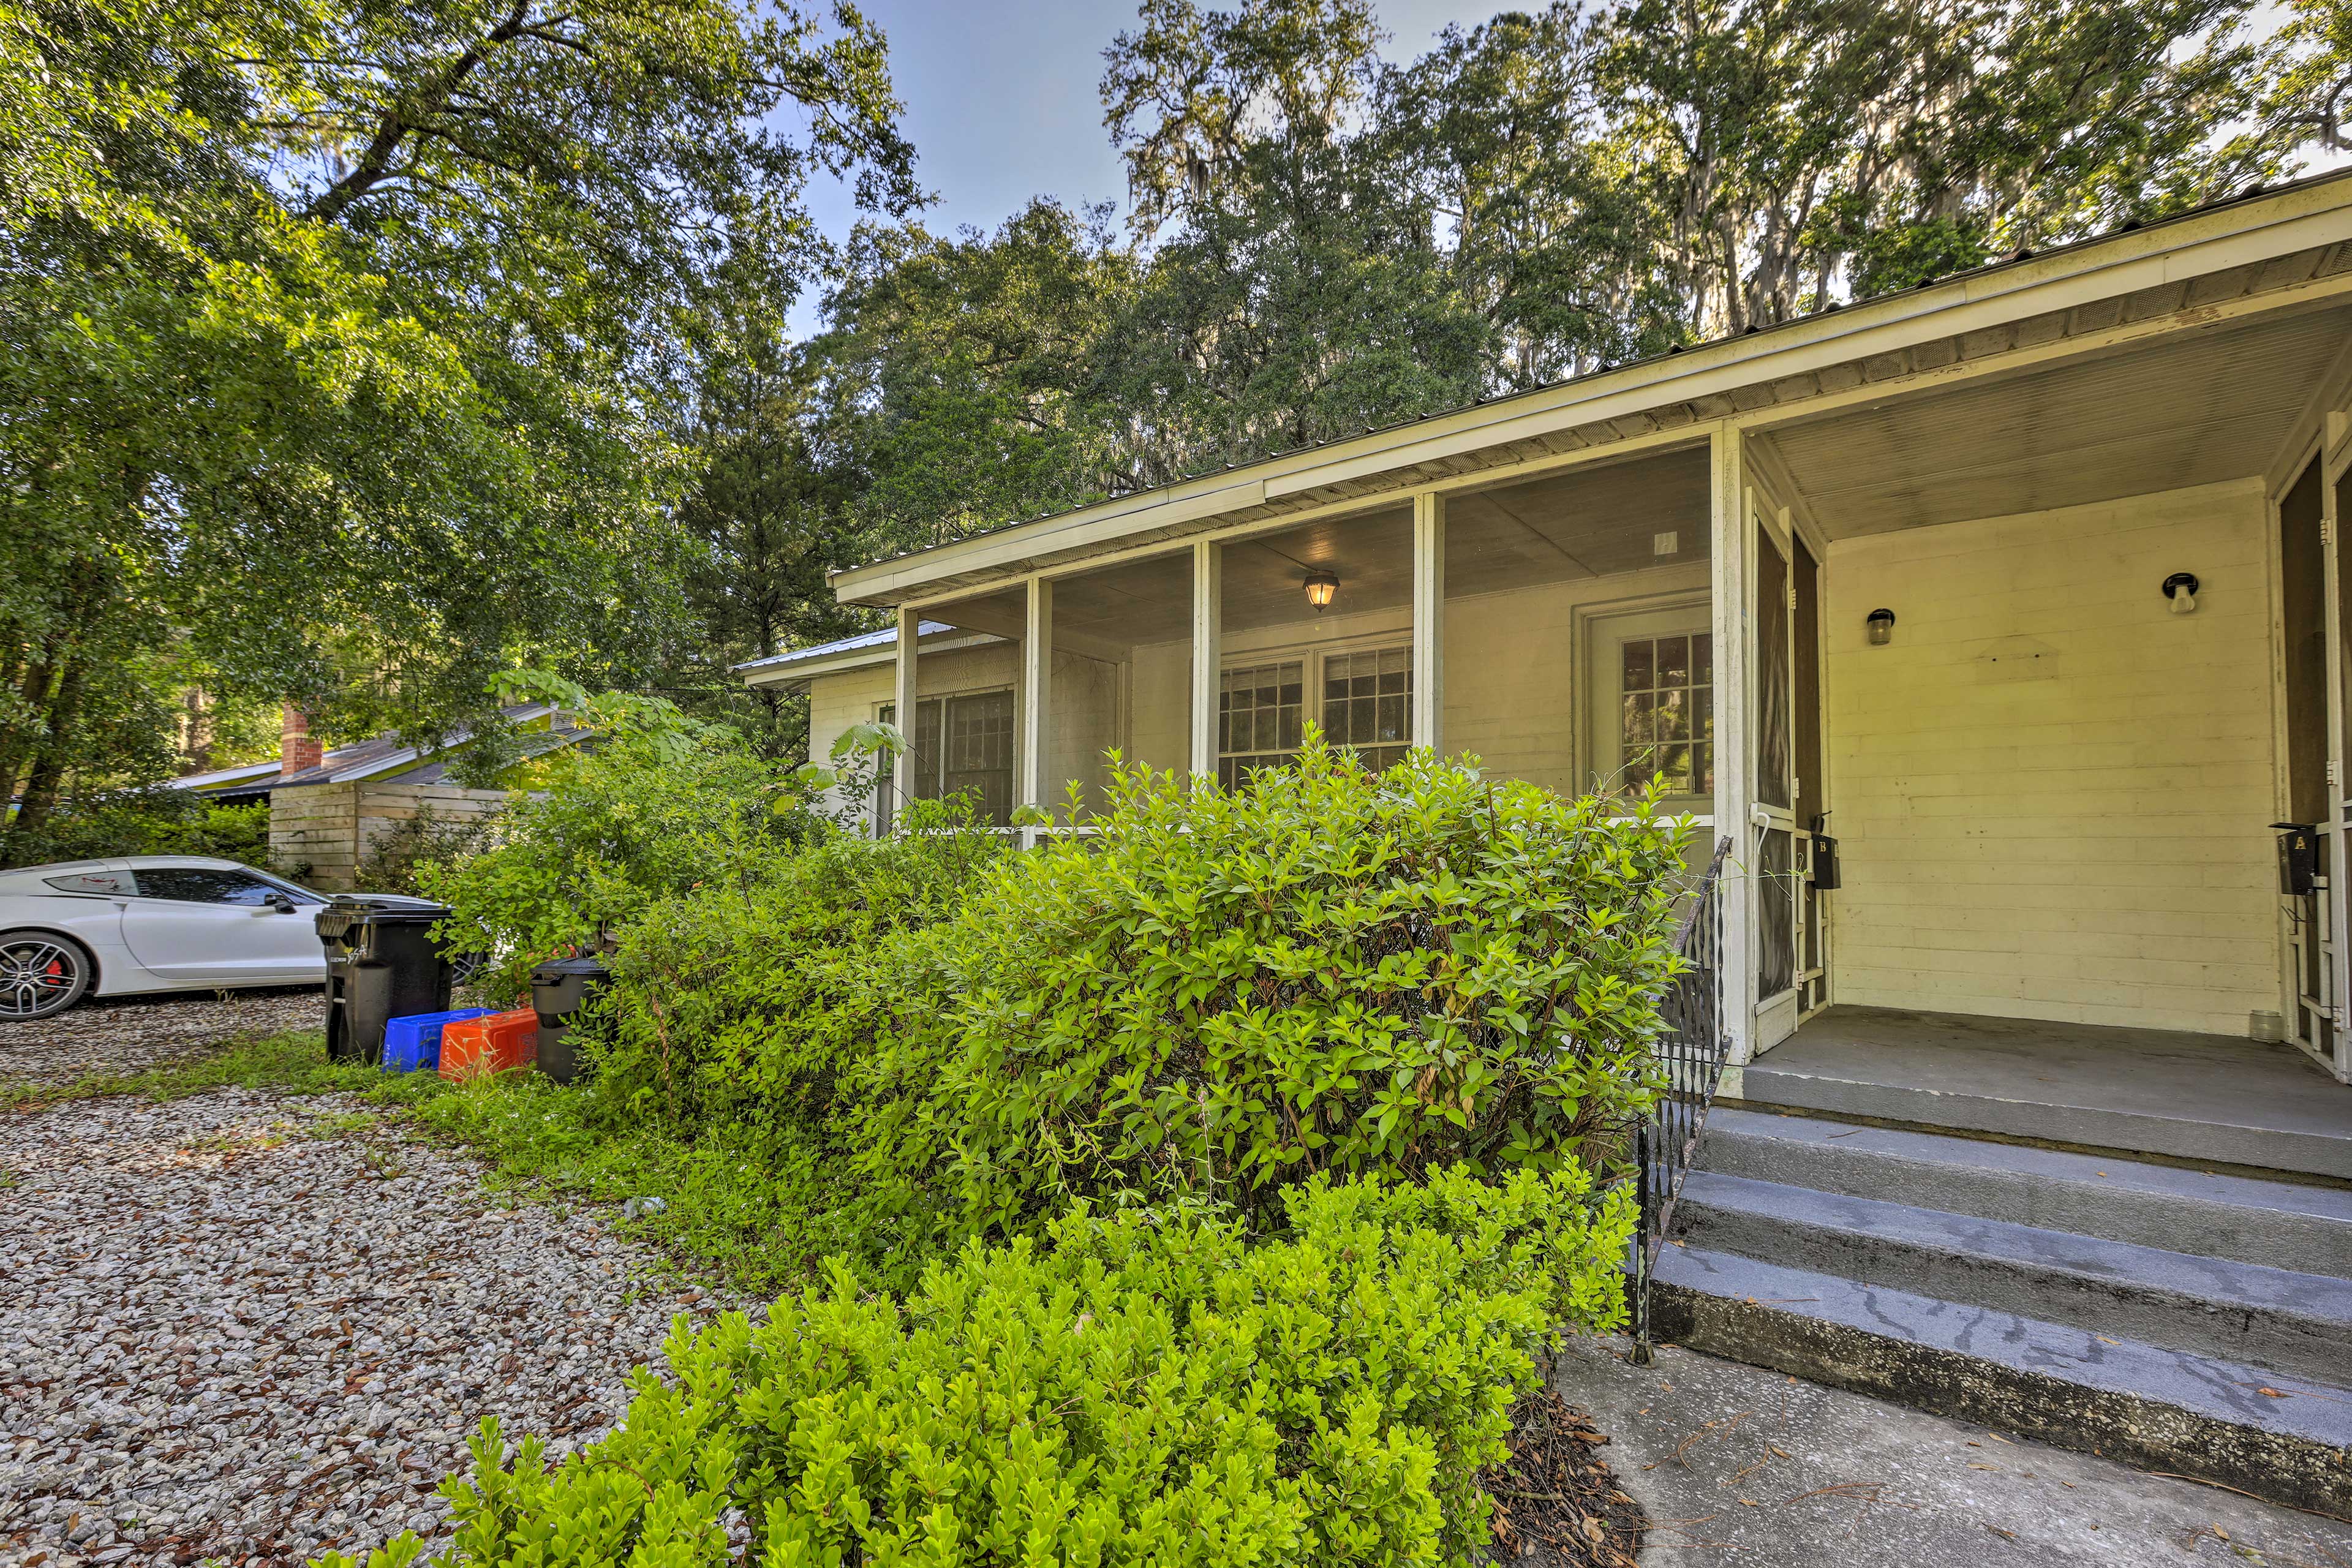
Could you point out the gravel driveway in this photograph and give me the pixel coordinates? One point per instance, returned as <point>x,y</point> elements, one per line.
<point>245,1329</point>
<point>132,1034</point>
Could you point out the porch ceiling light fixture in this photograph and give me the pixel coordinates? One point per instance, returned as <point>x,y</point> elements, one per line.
<point>2181,589</point>
<point>1881,624</point>
<point>1321,587</point>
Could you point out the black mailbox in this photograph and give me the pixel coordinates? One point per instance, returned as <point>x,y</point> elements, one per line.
<point>1826,860</point>
<point>2298,856</point>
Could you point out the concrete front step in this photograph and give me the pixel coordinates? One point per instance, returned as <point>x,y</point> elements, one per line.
<point>2295,1323</point>
<point>2279,1437</point>
<point>2198,1131</point>
<point>2281,1224</point>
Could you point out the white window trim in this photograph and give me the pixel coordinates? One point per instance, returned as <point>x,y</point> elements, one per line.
<point>888,705</point>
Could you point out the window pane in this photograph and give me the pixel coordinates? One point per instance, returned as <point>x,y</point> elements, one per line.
<point>1639,665</point>
<point>1264,711</point>
<point>1637,721</point>
<point>118,883</point>
<point>1673,718</point>
<point>1367,700</point>
<point>980,754</point>
<point>1673,661</point>
<point>201,885</point>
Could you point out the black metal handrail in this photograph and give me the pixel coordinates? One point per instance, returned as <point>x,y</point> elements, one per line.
<point>1691,1052</point>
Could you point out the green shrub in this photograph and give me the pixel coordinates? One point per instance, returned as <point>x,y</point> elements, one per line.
<point>1139,1387</point>
<point>1225,992</point>
<point>744,1000</point>
<point>156,820</point>
<point>396,858</point>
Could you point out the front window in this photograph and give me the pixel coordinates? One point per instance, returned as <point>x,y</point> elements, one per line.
<point>1368,704</point>
<point>1261,720</point>
<point>961,746</point>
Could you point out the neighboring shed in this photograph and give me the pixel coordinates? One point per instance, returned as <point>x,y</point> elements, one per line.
<point>327,808</point>
<point>322,833</point>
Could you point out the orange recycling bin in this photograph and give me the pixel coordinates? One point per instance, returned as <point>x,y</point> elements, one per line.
<point>501,1042</point>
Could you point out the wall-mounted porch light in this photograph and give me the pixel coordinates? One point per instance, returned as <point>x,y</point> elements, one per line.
<point>2181,589</point>
<point>1882,627</point>
<point>1321,587</point>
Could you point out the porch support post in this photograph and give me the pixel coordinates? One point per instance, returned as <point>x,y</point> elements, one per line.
<point>1429,619</point>
<point>1734,764</point>
<point>902,771</point>
<point>1036,687</point>
<point>1207,639</point>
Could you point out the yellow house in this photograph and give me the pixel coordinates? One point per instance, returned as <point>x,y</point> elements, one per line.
<point>2020,587</point>
<point>1997,630</point>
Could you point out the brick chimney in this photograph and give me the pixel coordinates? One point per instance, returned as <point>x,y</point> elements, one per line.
<point>299,749</point>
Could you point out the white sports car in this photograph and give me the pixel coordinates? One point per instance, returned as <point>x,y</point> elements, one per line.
<point>150,922</point>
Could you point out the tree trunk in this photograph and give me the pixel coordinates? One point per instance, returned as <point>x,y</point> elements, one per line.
<point>19,742</point>
<point>48,769</point>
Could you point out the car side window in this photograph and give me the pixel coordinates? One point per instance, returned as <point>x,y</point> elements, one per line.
<point>116,882</point>
<point>204,885</point>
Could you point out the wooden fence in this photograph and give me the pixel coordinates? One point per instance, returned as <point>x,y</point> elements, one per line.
<point>321,832</point>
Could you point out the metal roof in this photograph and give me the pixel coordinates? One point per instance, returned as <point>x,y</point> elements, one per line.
<point>887,637</point>
<point>362,759</point>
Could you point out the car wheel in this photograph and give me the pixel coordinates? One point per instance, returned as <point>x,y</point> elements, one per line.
<point>41,975</point>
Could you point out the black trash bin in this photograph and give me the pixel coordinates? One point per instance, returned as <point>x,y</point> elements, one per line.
<point>558,990</point>
<point>382,963</point>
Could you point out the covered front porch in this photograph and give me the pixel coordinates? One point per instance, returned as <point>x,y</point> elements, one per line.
<point>1998,627</point>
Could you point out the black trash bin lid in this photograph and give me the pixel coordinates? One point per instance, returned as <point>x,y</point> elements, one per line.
<point>556,969</point>
<point>386,909</point>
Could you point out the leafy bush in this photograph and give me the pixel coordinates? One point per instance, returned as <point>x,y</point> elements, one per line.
<point>157,820</point>
<point>744,1002</point>
<point>1141,1387</point>
<point>1225,992</point>
<point>396,858</point>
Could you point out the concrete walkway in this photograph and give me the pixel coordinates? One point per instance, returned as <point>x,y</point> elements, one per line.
<point>1741,1466</point>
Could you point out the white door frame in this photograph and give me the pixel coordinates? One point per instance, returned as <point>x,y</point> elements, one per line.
<point>1775,1015</point>
<point>2336,901</point>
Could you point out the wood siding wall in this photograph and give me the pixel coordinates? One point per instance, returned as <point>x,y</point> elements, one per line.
<point>2050,793</point>
<point>328,828</point>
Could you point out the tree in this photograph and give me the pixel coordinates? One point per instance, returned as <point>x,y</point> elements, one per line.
<point>2313,86</point>
<point>770,523</point>
<point>961,381</point>
<point>1794,153</point>
<point>351,341</point>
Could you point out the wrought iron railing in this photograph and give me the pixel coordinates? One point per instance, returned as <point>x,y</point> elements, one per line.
<point>1691,1052</point>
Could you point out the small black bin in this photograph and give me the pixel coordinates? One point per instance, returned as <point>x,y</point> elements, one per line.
<point>382,963</point>
<point>558,990</point>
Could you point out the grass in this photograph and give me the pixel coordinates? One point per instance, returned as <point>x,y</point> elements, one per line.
<point>728,1214</point>
<point>291,1063</point>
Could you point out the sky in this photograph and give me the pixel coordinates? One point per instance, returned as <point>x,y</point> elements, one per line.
<point>1001,100</point>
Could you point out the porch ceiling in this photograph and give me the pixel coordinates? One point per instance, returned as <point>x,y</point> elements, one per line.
<point>1593,521</point>
<point>2182,412</point>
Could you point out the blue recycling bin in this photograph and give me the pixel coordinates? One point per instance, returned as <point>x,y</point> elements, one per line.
<point>414,1044</point>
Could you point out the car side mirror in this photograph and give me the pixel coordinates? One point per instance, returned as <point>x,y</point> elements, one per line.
<point>281,903</point>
